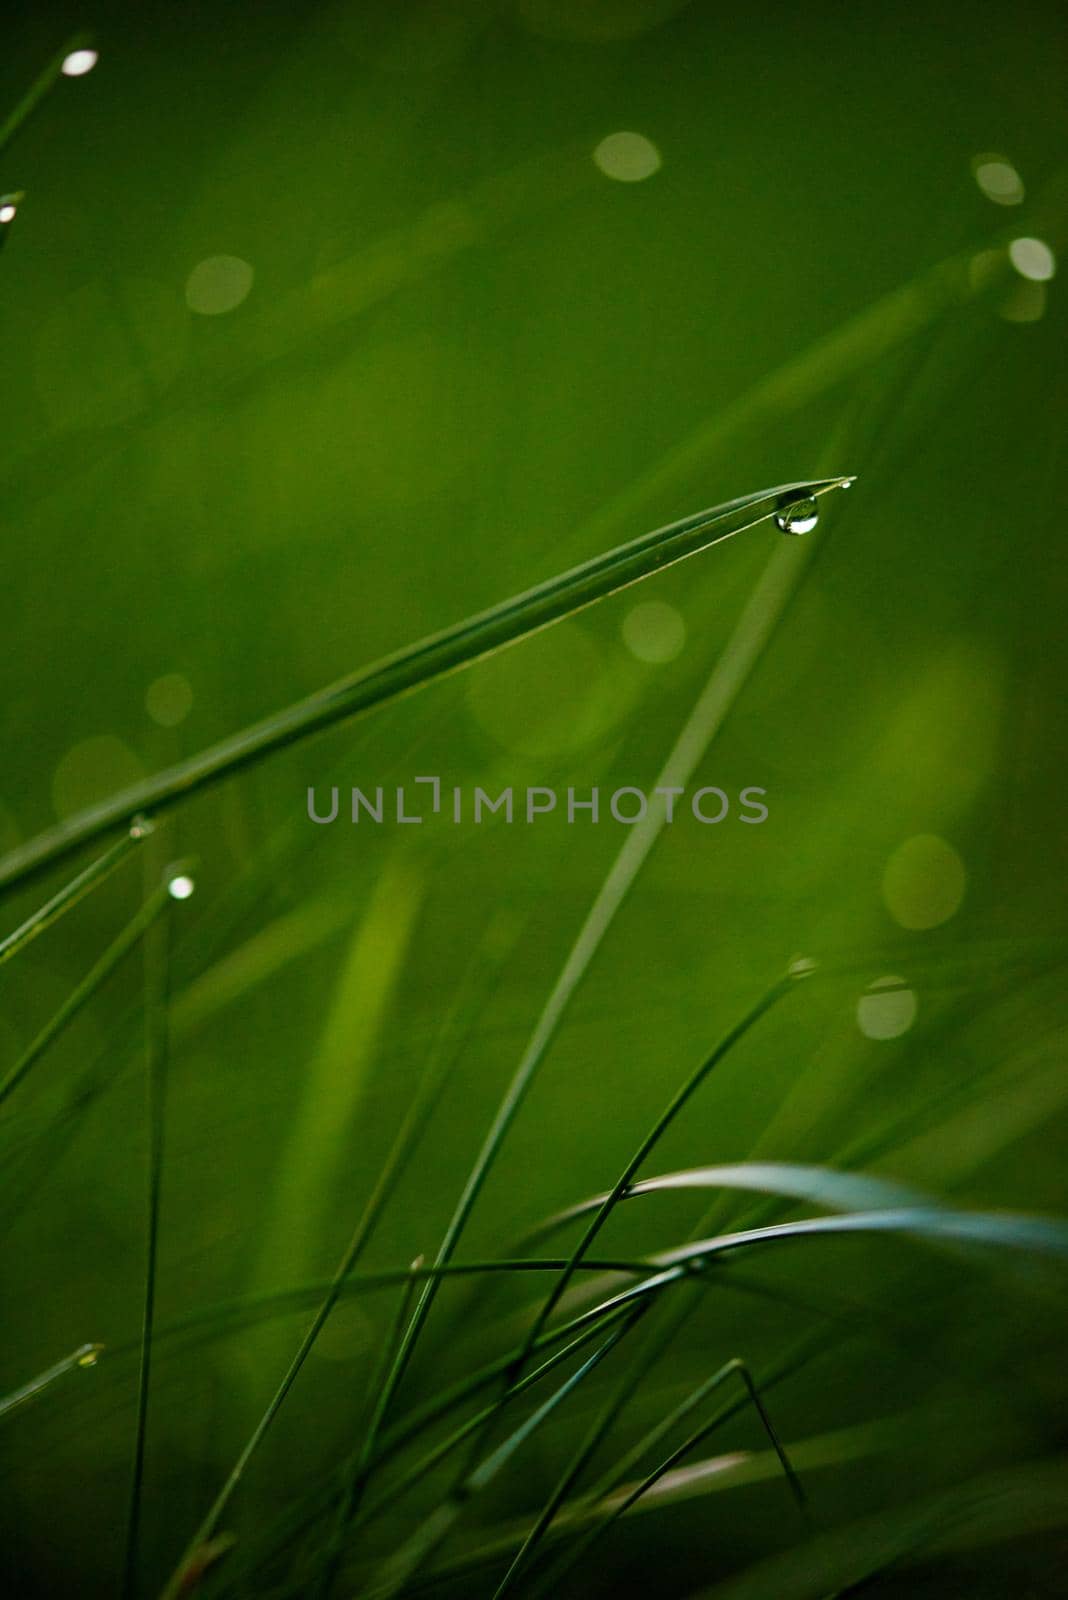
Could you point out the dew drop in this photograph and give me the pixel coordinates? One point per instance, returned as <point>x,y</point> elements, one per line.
<point>887,1010</point>
<point>89,1355</point>
<point>78,63</point>
<point>801,967</point>
<point>141,826</point>
<point>181,887</point>
<point>801,517</point>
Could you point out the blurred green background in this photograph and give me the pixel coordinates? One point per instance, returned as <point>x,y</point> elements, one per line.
<point>326,325</point>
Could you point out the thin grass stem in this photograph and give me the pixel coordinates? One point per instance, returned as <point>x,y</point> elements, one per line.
<point>335,1544</point>
<point>134,931</point>
<point>624,1504</point>
<point>439,1066</point>
<point>685,1093</point>
<point>157,969</point>
<point>39,89</point>
<point>86,1355</point>
<point>71,893</point>
<point>421,1546</point>
<point>649,1441</point>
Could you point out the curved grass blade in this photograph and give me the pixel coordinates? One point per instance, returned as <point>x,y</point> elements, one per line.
<point>86,1355</point>
<point>806,1183</point>
<point>588,1325</point>
<point>1037,1235</point>
<point>576,1516</point>
<point>71,893</point>
<point>672,1267</point>
<point>1011,1230</point>
<point>570,1476</point>
<point>770,997</point>
<point>607,1203</point>
<point>249,1308</point>
<point>414,1474</point>
<point>839,1191</point>
<point>409,669</point>
<point>315,1506</point>
<point>427,1538</point>
<point>1004,1230</point>
<point>623,1504</point>
<point>474,1425</point>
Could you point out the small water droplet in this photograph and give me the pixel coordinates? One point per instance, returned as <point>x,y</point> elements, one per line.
<point>141,827</point>
<point>89,1355</point>
<point>181,886</point>
<point>801,517</point>
<point>79,62</point>
<point>801,967</point>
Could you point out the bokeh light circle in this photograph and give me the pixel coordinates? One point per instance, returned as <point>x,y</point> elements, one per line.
<point>654,632</point>
<point>218,284</point>
<point>627,157</point>
<point>924,882</point>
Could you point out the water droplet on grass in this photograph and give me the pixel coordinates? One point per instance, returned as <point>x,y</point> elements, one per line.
<point>887,1010</point>
<point>1033,259</point>
<point>801,967</point>
<point>78,63</point>
<point>801,517</point>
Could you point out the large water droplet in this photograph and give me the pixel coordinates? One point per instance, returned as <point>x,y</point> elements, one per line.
<point>801,517</point>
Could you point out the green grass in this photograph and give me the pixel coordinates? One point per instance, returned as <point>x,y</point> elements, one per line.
<point>509,1211</point>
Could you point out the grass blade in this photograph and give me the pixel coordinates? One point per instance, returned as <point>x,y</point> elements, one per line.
<point>630,1498</point>
<point>838,1191</point>
<point>71,893</point>
<point>113,955</point>
<point>157,965</point>
<point>1005,1230</point>
<point>743,649</point>
<point>86,1355</point>
<point>441,1061</point>
<point>335,1544</point>
<point>41,86</point>
<point>412,1555</point>
<point>409,669</point>
<point>573,1471</point>
<point>660,1126</point>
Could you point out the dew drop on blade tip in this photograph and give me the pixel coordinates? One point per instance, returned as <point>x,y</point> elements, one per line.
<point>801,517</point>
